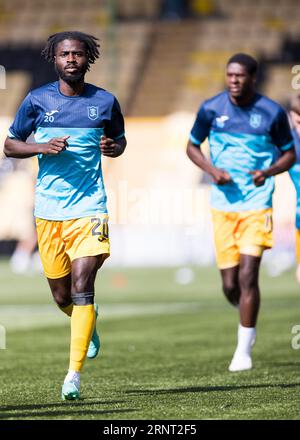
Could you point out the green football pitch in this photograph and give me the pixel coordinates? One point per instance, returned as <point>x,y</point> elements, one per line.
<point>165,350</point>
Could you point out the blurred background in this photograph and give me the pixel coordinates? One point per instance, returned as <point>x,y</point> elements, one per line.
<point>161,58</point>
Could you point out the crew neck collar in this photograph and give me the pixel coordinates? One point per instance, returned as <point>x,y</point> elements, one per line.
<point>71,97</point>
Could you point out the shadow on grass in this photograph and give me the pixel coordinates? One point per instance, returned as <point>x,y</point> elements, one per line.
<point>213,388</point>
<point>286,364</point>
<point>60,409</point>
<point>81,402</point>
<point>56,414</point>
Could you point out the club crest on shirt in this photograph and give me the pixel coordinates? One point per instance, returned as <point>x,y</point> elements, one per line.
<point>255,120</point>
<point>221,121</point>
<point>93,112</point>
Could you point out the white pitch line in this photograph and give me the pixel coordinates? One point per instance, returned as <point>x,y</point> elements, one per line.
<point>22,317</point>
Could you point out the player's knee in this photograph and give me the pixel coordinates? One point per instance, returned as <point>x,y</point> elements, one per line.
<point>230,288</point>
<point>232,293</point>
<point>61,296</point>
<point>61,299</point>
<point>248,281</point>
<point>83,298</point>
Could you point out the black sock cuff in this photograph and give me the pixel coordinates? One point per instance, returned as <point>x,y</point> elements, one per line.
<point>83,298</point>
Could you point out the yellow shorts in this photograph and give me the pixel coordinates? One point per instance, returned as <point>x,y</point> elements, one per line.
<point>245,232</point>
<point>298,245</point>
<point>61,242</point>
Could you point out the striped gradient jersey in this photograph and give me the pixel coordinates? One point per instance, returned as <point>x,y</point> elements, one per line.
<point>242,139</point>
<point>70,184</point>
<point>295,176</point>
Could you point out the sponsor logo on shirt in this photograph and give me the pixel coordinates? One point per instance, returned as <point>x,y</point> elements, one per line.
<point>221,121</point>
<point>49,116</point>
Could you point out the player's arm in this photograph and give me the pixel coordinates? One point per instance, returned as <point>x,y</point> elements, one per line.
<point>112,148</point>
<point>199,133</point>
<point>284,163</point>
<point>220,177</point>
<point>21,150</point>
<point>282,137</point>
<point>24,124</point>
<point>113,142</point>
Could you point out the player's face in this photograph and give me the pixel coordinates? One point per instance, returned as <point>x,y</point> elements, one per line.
<point>239,82</point>
<point>71,60</point>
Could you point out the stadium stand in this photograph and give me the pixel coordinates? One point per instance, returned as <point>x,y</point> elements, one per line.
<point>17,84</point>
<point>149,50</point>
<point>279,78</point>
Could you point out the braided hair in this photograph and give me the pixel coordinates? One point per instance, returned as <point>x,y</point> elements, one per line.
<point>90,42</point>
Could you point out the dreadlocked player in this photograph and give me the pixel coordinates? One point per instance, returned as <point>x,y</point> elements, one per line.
<point>74,123</point>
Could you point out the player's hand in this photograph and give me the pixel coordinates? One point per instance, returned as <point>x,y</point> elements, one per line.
<point>259,177</point>
<point>54,146</point>
<point>109,147</point>
<point>221,177</point>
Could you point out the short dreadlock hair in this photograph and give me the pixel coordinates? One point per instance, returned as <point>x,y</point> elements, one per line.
<point>245,60</point>
<point>90,42</point>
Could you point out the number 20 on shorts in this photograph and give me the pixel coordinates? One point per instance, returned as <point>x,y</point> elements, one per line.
<point>100,228</point>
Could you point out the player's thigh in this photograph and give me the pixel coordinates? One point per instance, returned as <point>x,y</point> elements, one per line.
<point>255,232</point>
<point>55,260</point>
<point>226,250</point>
<point>249,272</point>
<point>84,271</point>
<point>230,278</point>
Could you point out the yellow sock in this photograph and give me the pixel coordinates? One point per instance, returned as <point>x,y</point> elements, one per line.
<point>82,326</point>
<point>67,310</point>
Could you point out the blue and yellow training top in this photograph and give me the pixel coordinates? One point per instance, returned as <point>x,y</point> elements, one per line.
<point>242,138</point>
<point>69,184</point>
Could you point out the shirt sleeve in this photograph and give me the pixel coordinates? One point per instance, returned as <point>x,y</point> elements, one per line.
<point>201,127</point>
<point>281,132</point>
<point>24,122</point>
<point>115,126</point>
